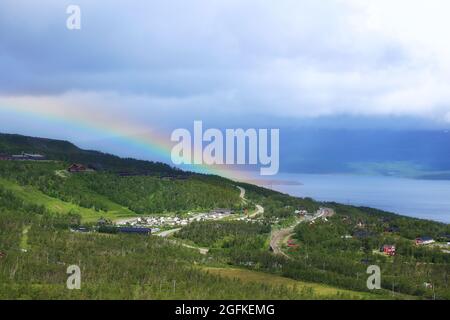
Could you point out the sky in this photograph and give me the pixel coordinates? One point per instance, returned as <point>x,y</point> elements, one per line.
<point>159,65</point>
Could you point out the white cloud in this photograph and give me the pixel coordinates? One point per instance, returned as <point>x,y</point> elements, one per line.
<point>291,58</point>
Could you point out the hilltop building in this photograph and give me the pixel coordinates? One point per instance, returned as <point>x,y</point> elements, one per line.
<point>28,156</point>
<point>75,168</point>
<point>424,241</point>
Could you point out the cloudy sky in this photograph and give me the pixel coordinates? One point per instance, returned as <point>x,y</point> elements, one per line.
<point>162,64</point>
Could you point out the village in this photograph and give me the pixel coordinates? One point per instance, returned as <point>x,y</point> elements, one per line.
<point>161,222</point>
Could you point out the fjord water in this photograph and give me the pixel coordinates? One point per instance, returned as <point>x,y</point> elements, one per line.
<point>425,199</point>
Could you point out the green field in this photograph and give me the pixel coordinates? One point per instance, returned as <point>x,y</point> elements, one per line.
<point>33,196</point>
<point>316,290</point>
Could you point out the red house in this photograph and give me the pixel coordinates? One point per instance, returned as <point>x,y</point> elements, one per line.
<point>77,168</point>
<point>292,244</point>
<point>388,250</point>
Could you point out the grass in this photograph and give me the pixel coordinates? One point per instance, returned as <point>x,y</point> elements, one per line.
<point>34,196</point>
<point>317,291</point>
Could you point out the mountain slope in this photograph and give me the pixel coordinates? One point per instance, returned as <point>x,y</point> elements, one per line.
<point>66,151</point>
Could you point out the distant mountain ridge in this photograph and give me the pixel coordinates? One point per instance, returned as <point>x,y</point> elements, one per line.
<point>409,153</point>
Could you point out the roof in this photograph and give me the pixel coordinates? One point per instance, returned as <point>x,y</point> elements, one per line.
<point>134,230</point>
<point>34,155</point>
<point>362,234</point>
<point>425,238</point>
<point>77,167</point>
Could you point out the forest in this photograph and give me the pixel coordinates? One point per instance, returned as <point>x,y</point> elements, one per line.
<point>140,194</point>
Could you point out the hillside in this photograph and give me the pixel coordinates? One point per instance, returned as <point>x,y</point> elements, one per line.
<point>68,152</point>
<point>42,205</point>
<point>111,195</point>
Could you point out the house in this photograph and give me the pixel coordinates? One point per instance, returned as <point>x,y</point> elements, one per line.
<point>28,156</point>
<point>361,224</point>
<point>326,212</point>
<point>74,168</point>
<point>384,219</point>
<point>135,230</point>
<point>102,221</point>
<point>4,157</point>
<point>388,250</point>
<point>80,229</point>
<point>291,244</point>
<point>428,285</point>
<point>35,157</point>
<point>301,213</point>
<point>444,238</point>
<point>424,240</point>
<point>361,234</point>
<point>392,229</point>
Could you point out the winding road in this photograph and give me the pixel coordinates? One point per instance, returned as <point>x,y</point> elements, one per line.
<point>242,195</point>
<point>259,208</point>
<point>167,233</point>
<point>278,237</point>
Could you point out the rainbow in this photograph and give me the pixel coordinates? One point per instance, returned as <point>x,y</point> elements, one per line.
<point>48,109</point>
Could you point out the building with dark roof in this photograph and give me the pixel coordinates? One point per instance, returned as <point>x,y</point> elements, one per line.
<point>135,230</point>
<point>424,240</point>
<point>76,167</point>
<point>28,156</point>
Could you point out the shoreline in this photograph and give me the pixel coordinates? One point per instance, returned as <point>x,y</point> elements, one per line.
<point>414,198</point>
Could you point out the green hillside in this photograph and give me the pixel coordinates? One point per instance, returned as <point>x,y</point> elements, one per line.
<point>41,203</point>
<point>111,195</point>
<point>68,152</point>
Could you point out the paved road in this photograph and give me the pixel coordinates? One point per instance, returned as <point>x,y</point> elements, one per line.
<point>165,234</point>
<point>259,208</point>
<point>201,250</point>
<point>278,237</point>
<point>242,195</point>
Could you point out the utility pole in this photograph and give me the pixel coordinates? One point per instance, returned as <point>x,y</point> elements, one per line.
<point>434,292</point>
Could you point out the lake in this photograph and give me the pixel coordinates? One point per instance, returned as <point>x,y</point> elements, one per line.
<point>426,199</point>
